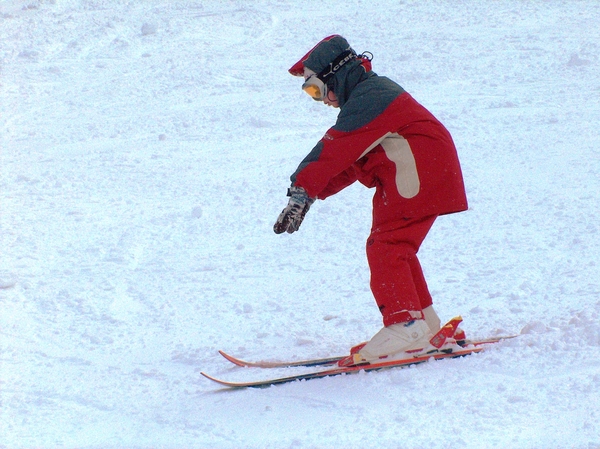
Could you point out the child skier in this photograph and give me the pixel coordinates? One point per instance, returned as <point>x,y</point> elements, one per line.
<point>384,139</point>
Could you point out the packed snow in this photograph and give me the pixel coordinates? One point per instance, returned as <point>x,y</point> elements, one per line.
<point>146,149</point>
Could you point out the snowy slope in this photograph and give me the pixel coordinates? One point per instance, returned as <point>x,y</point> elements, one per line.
<point>145,150</point>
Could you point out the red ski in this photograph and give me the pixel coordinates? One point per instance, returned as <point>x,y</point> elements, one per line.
<point>335,359</point>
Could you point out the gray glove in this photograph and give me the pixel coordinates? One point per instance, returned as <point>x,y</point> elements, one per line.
<point>291,217</point>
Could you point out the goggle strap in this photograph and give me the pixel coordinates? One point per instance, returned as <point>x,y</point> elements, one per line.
<point>336,65</point>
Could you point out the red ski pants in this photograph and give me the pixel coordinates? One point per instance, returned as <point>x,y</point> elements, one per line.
<point>397,280</point>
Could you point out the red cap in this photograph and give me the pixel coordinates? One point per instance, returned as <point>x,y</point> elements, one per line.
<point>298,68</point>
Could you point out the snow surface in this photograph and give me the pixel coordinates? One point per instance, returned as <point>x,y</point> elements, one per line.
<point>145,154</point>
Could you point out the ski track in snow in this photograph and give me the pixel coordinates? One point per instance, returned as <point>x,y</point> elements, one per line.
<point>145,150</point>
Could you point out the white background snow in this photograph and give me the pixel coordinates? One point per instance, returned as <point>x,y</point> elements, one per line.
<point>145,154</point>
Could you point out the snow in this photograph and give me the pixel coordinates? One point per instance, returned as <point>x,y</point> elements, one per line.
<point>145,154</point>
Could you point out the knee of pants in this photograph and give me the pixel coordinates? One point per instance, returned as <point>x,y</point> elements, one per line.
<point>387,255</point>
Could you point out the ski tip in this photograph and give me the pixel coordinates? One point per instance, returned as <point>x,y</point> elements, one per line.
<point>252,384</point>
<point>207,376</point>
<point>232,359</point>
<point>219,381</point>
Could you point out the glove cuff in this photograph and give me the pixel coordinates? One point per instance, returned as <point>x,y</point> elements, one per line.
<point>296,190</point>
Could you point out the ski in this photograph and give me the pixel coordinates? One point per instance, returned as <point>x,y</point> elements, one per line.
<point>335,359</point>
<point>267,364</point>
<point>403,363</point>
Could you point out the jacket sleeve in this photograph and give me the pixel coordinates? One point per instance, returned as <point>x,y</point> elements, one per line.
<point>338,183</point>
<point>328,168</point>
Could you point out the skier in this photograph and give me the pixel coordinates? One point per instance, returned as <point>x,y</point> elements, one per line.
<point>384,139</point>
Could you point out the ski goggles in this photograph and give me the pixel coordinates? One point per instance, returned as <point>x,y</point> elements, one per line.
<point>314,87</point>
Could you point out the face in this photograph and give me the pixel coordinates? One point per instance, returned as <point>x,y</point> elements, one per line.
<point>331,100</point>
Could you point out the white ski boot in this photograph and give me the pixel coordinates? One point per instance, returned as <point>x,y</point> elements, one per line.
<point>403,340</point>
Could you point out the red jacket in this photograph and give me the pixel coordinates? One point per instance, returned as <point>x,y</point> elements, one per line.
<point>385,139</point>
